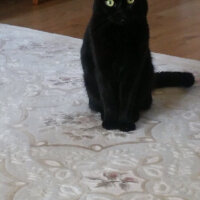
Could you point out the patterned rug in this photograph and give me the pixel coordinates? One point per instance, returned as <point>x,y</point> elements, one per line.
<point>52,147</point>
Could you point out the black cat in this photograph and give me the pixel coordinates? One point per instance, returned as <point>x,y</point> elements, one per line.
<point>116,59</point>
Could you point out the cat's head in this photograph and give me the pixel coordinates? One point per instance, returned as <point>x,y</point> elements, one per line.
<point>121,11</point>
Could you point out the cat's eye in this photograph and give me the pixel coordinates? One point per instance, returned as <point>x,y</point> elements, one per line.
<point>130,1</point>
<point>110,3</point>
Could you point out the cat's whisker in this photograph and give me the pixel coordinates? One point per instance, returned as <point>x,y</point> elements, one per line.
<point>105,21</point>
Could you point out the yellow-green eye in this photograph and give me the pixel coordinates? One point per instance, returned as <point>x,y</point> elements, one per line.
<point>110,3</point>
<point>130,1</point>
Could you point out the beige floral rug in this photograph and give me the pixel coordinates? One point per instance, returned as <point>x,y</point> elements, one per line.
<point>52,147</point>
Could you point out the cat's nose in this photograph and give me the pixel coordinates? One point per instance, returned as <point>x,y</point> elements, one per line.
<point>122,20</point>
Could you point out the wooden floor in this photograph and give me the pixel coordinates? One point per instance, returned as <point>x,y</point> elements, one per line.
<point>175,24</point>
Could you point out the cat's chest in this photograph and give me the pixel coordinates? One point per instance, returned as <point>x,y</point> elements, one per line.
<point>123,37</point>
<point>120,47</point>
<point>123,42</point>
<point>125,48</point>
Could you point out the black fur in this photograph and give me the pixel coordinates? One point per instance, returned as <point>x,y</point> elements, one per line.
<point>116,60</point>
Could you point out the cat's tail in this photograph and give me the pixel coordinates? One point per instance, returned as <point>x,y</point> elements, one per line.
<point>174,79</point>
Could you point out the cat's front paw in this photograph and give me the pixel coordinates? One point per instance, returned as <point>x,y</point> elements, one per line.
<point>135,116</point>
<point>146,103</point>
<point>127,126</point>
<point>110,125</point>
